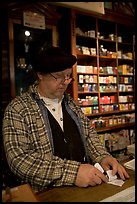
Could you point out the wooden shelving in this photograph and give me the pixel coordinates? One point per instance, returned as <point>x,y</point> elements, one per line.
<point>112,50</point>
<point>113,127</point>
<point>104,75</point>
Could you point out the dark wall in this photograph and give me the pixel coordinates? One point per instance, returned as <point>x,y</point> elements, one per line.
<point>64,28</point>
<point>5,91</point>
<point>64,40</point>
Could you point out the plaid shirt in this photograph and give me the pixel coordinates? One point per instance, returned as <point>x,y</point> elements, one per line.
<point>28,146</point>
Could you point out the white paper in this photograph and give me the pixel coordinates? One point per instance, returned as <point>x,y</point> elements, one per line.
<point>130,164</point>
<point>111,179</point>
<point>127,195</point>
<point>110,176</point>
<point>131,149</point>
<point>116,182</point>
<point>97,165</point>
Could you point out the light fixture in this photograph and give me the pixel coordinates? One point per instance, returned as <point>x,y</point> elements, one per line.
<point>27,33</point>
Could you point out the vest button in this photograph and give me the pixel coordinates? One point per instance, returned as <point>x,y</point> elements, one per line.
<point>65,140</point>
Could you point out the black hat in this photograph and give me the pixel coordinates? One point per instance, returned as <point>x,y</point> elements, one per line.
<point>53,59</point>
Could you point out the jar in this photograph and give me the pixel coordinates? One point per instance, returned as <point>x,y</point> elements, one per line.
<point>123,120</point>
<point>119,39</point>
<point>119,120</point>
<point>110,121</point>
<point>106,121</point>
<point>112,37</point>
<point>81,80</point>
<point>115,120</point>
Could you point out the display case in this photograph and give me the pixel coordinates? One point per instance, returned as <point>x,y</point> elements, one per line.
<point>23,41</point>
<point>105,66</point>
<point>104,84</point>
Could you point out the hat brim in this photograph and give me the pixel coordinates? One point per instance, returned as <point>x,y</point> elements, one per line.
<point>53,59</point>
<point>56,64</point>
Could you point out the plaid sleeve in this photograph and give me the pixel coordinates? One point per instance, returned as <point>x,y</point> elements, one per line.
<point>25,155</point>
<point>97,150</point>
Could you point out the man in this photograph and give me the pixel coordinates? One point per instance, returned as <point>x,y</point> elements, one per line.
<point>47,138</point>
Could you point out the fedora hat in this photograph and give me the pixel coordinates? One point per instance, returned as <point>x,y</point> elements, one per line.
<point>53,59</point>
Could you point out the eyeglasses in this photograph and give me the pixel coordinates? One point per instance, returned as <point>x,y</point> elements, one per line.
<point>61,79</point>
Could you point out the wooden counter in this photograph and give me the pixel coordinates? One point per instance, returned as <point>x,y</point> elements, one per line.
<point>89,194</point>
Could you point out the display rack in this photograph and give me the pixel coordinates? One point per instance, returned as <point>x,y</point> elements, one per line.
<point>104,75</point>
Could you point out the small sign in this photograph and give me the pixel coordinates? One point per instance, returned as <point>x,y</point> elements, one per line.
<point>33,20</point>
<point>97,7</point>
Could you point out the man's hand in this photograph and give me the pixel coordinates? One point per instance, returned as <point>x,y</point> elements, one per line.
<point>89,175</point>
<point>110,162</point>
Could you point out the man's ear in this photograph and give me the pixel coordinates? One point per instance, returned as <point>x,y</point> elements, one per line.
<point>39,74</point>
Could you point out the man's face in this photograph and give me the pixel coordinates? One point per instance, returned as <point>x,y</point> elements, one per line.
<point>53,85</point>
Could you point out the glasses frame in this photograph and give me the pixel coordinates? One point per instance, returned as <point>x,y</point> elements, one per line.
<point>61,79</point>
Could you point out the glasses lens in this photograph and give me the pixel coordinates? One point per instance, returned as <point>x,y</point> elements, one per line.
<point>60,79</point>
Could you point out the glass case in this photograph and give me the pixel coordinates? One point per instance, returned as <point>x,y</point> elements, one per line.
<point>23,43</point>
